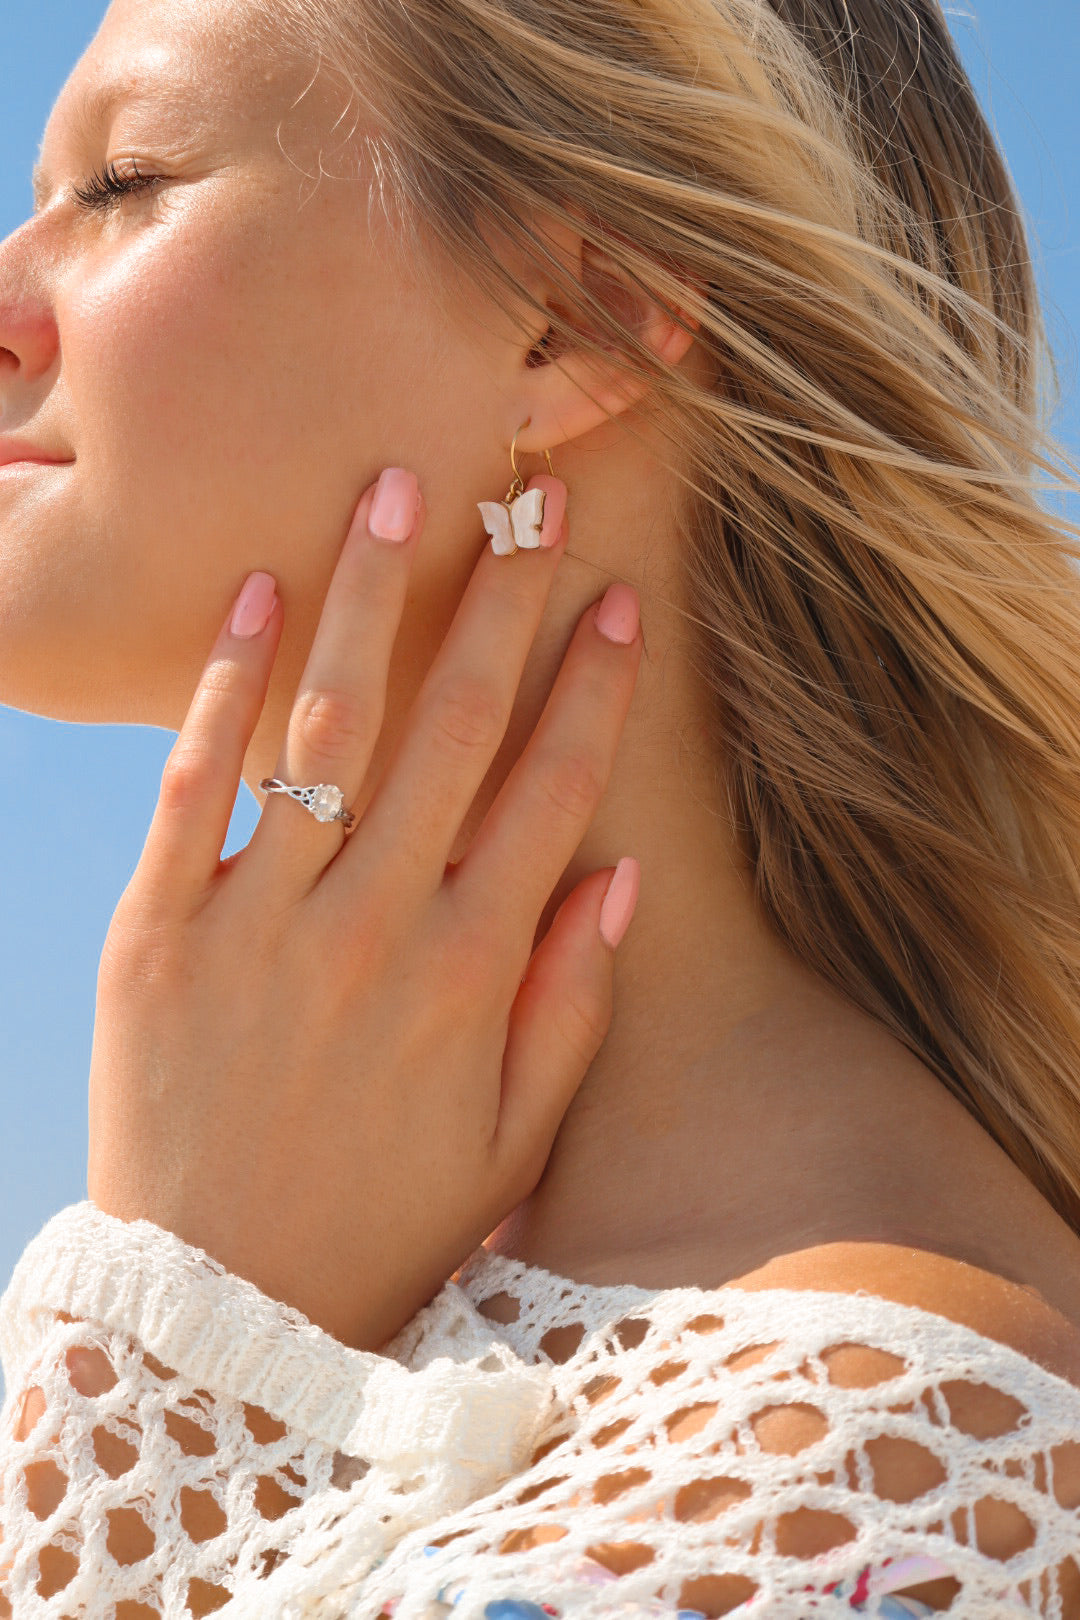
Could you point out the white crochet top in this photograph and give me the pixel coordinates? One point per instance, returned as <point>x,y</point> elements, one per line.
<point>608,1452</point>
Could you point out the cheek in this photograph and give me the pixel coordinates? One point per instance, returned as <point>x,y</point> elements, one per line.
<point>232,381</point>
<point>185,358</point>
<point>223,419</point>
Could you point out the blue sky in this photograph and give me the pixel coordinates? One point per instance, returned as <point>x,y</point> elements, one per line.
<point>76,801</point>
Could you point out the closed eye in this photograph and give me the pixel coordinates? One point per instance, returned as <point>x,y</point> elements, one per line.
<point>106,188</point>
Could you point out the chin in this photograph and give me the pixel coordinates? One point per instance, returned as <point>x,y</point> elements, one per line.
<point>81,642</point>
<point>82,685</point>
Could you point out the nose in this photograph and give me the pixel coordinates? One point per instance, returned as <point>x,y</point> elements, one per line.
<point>29,340</point>
<point>29,336</point>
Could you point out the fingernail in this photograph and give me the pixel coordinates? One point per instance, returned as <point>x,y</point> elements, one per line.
<point>395,505</point>
<point>554,506</point>
<point>619,901</point>
<point>254,606</point>
<point>618,614</point>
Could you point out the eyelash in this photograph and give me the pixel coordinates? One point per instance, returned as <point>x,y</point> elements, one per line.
<point>105,189</point>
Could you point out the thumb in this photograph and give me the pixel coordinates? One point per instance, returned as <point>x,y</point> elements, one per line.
<point>561,1015</point>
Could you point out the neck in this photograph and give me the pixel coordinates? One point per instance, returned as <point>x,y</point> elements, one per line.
<point>710,1005</point>
<point>701,1097</point>
<point>739,1106</point>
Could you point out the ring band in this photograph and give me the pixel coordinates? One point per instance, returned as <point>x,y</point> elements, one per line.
<point>325,801</point>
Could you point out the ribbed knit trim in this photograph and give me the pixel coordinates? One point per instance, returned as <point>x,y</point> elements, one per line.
<point>183,1306</point>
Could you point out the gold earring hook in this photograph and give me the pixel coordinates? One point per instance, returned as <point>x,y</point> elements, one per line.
<point>519,484</point>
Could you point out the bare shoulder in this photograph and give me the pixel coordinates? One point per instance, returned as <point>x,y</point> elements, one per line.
<point>1011,1313</point>
<point>1008,1312</point>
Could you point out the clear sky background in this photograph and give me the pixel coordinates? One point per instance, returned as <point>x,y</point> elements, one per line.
<point>76,801</point>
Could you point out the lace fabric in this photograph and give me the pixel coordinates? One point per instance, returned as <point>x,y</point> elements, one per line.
<point>526,1446</point>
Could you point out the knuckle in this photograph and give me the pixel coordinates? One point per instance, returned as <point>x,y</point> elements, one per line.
<point>220,681</point>
<point>189,777</point>
<point>372,959</point>
<point>469,717</point>
<point>138,953</point>
<point>474,941</point>
<point>478,957</point>
<point>585,1022</point>
<point>332,723</point>
<point>516,588</point>
<point>572,784</point>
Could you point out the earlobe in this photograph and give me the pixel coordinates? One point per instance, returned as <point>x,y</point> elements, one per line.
<point>573,388</point>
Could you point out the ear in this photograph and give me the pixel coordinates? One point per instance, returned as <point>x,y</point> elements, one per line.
<point>566,390</point>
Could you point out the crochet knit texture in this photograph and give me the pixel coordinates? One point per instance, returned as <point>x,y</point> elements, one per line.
<point>267,1470</point>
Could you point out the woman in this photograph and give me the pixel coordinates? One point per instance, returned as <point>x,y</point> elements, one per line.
<point>778,1310</point>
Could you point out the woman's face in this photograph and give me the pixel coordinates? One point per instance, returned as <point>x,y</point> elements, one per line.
<point>220,365</point>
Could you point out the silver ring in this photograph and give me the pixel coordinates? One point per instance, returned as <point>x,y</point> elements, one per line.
<point>325,801</point>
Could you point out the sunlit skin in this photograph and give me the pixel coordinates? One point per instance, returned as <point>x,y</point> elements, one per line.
<point>224,363</point>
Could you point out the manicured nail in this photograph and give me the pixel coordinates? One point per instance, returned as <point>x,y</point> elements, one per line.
<point>254,606</point>
<point>618,614</point>
<point>619,901</point>
<point>395,505</point>
<point>554,506</point>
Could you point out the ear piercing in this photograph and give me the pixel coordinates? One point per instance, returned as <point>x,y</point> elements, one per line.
<point>515,522</point>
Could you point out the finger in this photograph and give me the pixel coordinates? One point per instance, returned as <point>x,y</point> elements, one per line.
<point>202,773</point>
<point>461,713</point>
<point>550,797</point>
<point>341,699</point>
<point>560,1018</point>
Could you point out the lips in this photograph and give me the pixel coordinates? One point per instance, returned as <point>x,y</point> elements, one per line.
<point>21,450</point>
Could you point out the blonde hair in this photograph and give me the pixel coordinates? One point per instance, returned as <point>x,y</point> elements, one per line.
<point>885,611</point>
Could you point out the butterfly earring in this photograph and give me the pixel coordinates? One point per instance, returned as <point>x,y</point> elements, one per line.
<point>515,522</point>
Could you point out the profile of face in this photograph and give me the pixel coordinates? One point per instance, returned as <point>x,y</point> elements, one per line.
<point>218,364</point>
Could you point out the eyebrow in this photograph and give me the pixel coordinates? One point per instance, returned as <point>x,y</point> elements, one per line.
<point>90,107</point>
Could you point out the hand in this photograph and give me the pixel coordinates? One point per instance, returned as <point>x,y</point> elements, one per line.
<point>336,1062</point>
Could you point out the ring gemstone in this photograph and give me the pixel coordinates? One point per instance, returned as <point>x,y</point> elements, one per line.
<point>326,801</point>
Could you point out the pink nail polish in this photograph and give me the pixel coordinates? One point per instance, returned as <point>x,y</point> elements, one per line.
<point>618,614</point>
<point>620,900</point>
<point>554,506</point>
<point>395,505</point>
<point>254,606</point>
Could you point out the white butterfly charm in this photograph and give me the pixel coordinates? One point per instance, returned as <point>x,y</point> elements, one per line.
<point>515,524</point>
